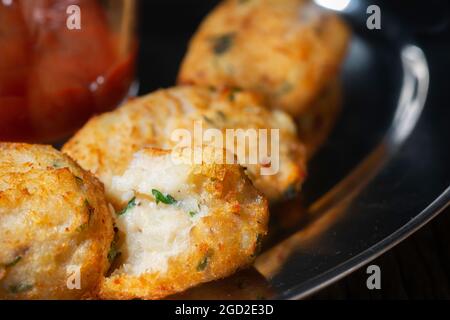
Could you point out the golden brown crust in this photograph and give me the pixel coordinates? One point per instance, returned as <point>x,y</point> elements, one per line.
<point>285,49</point>
<point>106,143</point>
<point>53,215</point>
<point>220,243</point>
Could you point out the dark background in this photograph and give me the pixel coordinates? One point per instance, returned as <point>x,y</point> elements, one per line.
<point>420,266</point>
<point>165,29</point>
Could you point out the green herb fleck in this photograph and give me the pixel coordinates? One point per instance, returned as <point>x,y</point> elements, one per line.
<point>204,262</point>
<point>193,213</point>
<point>223,43</point>
<point>113,253</point>
<point>20,288</point>
<point>131,204</point>
<point>258,245</point>
<point>13,262</point>
<point>90,211</point>
<point>113,250</point>
<point>81,227</point>
<point>166,199</point>
<point>233,92</point>
<point>58,164</point>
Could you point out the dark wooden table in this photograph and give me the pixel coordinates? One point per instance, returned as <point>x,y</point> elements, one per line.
<point>418,268</point>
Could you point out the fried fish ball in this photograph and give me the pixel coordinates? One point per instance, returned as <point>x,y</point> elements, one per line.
<point>181,223</point>
<point>106,144</point>
<point>285,49</point>
<point>55,225</point>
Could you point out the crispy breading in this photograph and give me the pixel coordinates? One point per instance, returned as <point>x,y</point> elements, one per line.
<point>53,216</point>
<point>287,50</point>
<point>106,143</point>
<point>181,224</point>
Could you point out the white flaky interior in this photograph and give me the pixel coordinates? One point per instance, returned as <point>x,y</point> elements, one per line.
<point>155,232</point>
<point>147,172</point>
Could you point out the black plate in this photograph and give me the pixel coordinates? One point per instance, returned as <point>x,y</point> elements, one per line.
<point>382,173</point>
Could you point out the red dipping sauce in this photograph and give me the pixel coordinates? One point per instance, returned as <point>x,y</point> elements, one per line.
<point>53,79</point>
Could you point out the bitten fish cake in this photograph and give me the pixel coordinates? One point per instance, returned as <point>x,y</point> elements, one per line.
<point>285,49</point>
<point>180,223</point>
<point>107,142</point>
<point>55,226</point>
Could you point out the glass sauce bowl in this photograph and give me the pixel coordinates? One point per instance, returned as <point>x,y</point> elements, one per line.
<point>61,62</point>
